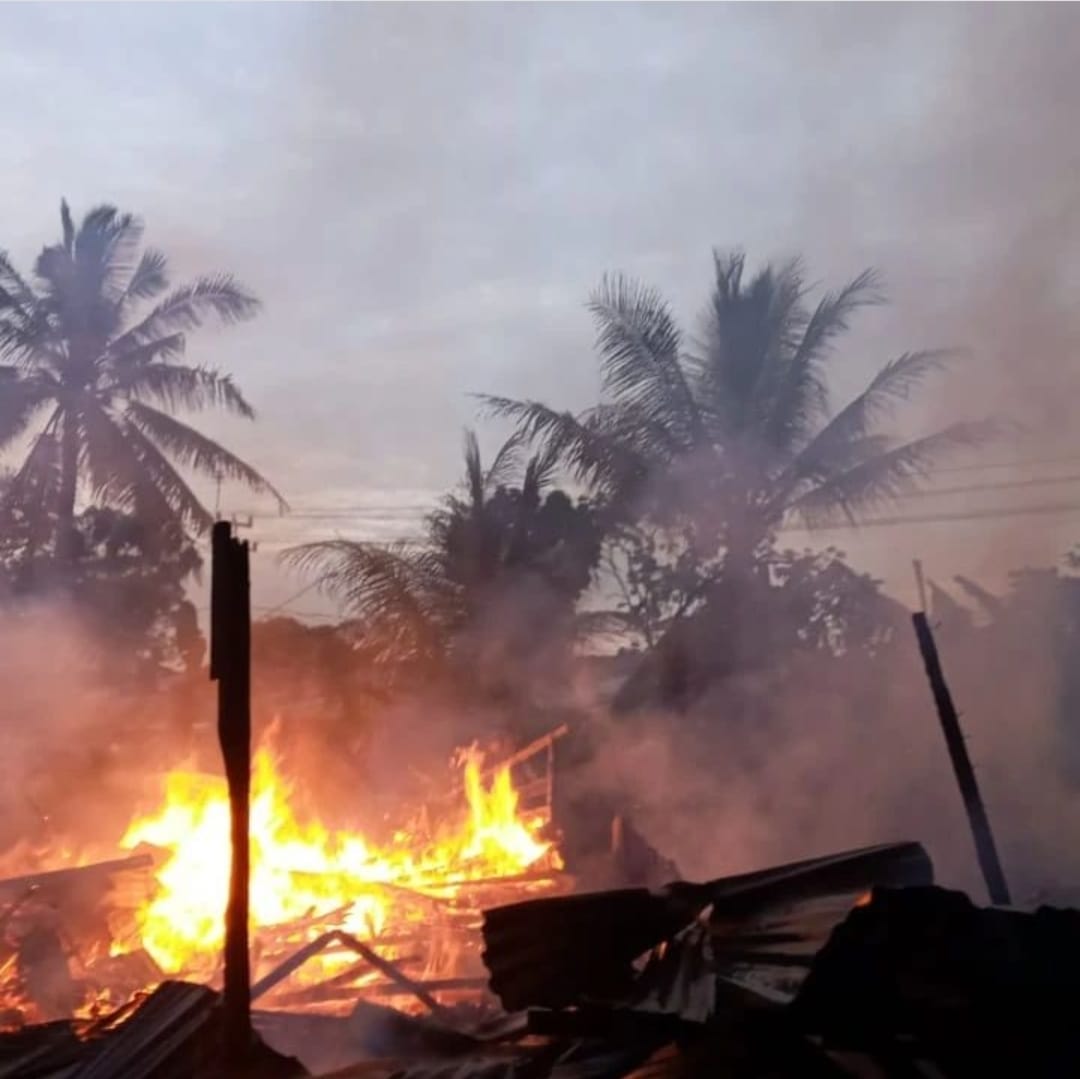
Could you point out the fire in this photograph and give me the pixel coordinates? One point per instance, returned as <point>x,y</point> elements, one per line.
<point>300,869</point>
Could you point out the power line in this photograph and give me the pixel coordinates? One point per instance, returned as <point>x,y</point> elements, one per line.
<point>1050,509</point>
<point>877,522</point>
<point>1004,485</point>
<point>1046,509</point>
<point>295,596</point>
<point>266,612</point>
<point>389,511</point>
<point>1030,462</point>
<point>972,488</point>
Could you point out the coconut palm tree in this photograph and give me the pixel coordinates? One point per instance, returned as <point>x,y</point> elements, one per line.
<point>94,379</point>
<point>502,542</point>
<point>731,435</point>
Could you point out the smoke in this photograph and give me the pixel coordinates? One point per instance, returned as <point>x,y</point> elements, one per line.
<point>1001,170</point>
<point>973,212</point>
<point>66,752</point>
<point>464,176</point>
<point>824,764</point>
<point>965,196</point>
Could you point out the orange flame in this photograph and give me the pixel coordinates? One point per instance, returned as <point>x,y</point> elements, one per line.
<point>301,869</point>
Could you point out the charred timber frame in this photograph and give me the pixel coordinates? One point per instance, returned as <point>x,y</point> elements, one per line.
<point>230,667</point>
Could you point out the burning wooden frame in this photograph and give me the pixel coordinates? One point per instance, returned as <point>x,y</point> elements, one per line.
<point>852,964</point>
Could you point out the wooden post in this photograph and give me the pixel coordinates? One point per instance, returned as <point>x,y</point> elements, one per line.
<point>230,667</point>
<point>985,848</point>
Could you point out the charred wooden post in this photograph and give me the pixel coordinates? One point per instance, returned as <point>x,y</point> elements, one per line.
<point>230,667</point>
<point>985,848</point>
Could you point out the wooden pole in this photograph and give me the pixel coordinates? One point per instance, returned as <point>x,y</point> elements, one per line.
<point>230,667</point>
<point>985,848</point>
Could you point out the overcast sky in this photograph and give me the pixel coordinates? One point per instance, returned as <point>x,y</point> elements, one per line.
<point>423,196</point>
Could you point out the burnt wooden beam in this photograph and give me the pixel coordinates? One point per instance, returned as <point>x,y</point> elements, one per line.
<point>985,848</point>
<point>337,937</point>
<point>230,667</point>
<point>60,880</point>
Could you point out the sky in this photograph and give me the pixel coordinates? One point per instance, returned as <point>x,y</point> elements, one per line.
<point>424,195</point>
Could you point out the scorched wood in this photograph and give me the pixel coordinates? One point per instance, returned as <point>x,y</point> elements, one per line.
<point>554,952</point>
<point>230,666</point>
<point>59,881</point>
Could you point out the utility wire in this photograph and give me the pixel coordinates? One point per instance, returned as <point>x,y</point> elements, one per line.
<point>1047,509</point>
<point>1004,485</point>
<point>292,599</point>
<point>1056,508</point>
<point>391,511</point>
<point>1052,509</point>
<point>1030,462</point>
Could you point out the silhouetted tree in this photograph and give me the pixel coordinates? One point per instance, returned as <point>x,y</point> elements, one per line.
<point>496,576</point>
<point>126,595</point>
<point>700,451</point>
<point>732,435</point>
<point>94,381</point>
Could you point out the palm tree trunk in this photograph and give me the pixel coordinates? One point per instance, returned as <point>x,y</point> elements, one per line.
<point>67,546</point>
<point>745,578</point>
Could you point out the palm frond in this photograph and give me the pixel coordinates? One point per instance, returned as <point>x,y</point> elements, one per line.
<point>597,448</point>
<point>892,385</point>
<point>164,481</point>
<point>21,398</point>
<point>728,268</point>
<point>14,290</point>
<point>125,469</point>
<point>640,346</point>
<point>107,243</point>
<point>32,490</point>
<point>384,586</point>
<point>22,322</point>
<point>175,386</point>
<point>188,307</point>
<point>506,463</point>
<point>801,396</point>
<point>194,450</point>
<point>884,477</point>
<point>40,468</point>
<point>158,348</point>
<point>750,331</point>
<point>474,469</point>
<point>67,226</point>
<point>95,260</point>
<point>539,472</point>
<point>149,279</point>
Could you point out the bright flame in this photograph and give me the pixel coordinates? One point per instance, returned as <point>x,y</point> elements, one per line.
<point>301,869</point>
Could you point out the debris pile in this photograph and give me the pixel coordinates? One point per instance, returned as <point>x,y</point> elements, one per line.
<point>854,964</point>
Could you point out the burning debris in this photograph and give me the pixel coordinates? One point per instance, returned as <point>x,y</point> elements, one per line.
<point>849,965</point>
<point>159,911</point>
